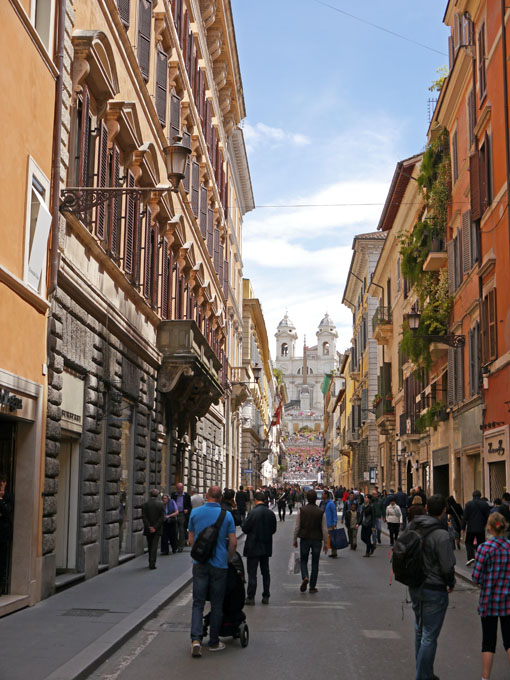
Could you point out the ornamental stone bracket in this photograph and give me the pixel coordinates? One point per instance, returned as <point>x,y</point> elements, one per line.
<point>189,374</point>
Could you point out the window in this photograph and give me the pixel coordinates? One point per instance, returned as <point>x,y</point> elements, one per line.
<point>175,119</point>
<point>455,375</point>
<point>474,360</point>
<point>485,170</point>
<point>489,327</point>
<point>83,142</point>
<point>471,114</point>
<point>482,77</point>
<point>37,227</point>
<point>186,140</point>
<point>161,85</point>
<point>455,157</point>
<point>132,234</point>
<point>144,36</point>
<point>43,18</point>
<point>285,350</point>
<point>398,274</point>
<point>325,349</point>
<point>195,186</point>
<point>124,8</point>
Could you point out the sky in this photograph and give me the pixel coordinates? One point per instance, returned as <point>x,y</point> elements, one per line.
<point>333,103</point>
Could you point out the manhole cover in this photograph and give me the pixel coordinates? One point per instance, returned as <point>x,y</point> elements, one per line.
<point>93,613</point>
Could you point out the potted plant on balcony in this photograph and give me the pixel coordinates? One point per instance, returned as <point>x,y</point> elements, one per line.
<point>376,400</point>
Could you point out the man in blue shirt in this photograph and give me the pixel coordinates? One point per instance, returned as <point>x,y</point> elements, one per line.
<point>210,579</point>
<point>331,516</point>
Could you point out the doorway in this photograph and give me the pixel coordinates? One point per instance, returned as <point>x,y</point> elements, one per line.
<point>409,476</point>
<point>497,479</point>
<point>7,467</point>
<point>67,506</point>
<point>442,480</point>
<point>126,482</point>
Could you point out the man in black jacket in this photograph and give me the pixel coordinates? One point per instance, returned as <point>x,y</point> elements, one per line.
<point>153,514</point>
<point>430,600</point>
<point>241,500</point>
<point>259,527</point>
<point>474,521</point>
<point>183,500</point>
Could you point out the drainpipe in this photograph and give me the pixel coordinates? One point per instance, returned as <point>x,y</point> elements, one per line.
<point>57,148</point>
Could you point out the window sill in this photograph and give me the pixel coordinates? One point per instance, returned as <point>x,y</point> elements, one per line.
<point>23,290</point>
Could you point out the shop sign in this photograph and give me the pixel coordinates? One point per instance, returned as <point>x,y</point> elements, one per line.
<point>72,402</point>
<point>496,443</point>
<point>10,401</point>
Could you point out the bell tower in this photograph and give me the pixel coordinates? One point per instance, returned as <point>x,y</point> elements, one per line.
<point>286,337</point>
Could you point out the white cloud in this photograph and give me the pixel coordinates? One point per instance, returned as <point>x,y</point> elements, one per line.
<point>260,135</point>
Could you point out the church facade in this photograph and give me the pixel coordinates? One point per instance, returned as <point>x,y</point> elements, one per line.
<point>304,374</point>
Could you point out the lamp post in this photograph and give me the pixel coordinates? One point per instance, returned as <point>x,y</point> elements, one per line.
<point>452,340</point>
<point>79,200</point>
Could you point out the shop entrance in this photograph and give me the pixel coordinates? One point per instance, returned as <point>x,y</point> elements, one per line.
<point>67,506</point>
<point>497,479</point>
<point>7,460</point>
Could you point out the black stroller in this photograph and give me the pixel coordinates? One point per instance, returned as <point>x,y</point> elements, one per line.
<point>234,619</point>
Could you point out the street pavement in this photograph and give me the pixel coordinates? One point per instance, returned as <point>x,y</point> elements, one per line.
<point>357,625</point>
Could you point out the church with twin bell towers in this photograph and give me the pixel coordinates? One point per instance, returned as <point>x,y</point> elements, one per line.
<point>303,374</point>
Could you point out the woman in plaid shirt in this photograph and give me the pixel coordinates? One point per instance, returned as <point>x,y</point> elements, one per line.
<point>492,573</point>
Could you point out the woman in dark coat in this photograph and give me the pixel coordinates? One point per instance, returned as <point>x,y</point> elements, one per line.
<point>367,521</point>
<point>454,510</point>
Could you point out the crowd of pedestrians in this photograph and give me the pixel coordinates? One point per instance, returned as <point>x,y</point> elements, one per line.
<point>177,519</point>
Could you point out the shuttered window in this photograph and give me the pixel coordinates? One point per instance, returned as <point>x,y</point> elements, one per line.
<point>83,161</point>
<point>175,117</point>
<point>489,327</point>
<point>177,13</point>
<point>455,383</point>
<point>161,85</point>
<point>144,36</point>
<point>203,212</point>
<point>195,186</point>
<point>190,49</point>
<point>210,231</point>
<point>148,274</point>
<point>102,179</point>
<point>115,208</point>
<point>482,77</point>
<point>471,111</point>
<point>130,228</point>
<point>124,8</point>
<point>216,255</point>
<point>165,280</point>
<point>225,276</point>
<point>398,274</point>
<point>474,361</point>
<point>455,157</point>
<point>186,140</point>
<point>364,405</point>
<point>466,242</point>
<point>474,186</point>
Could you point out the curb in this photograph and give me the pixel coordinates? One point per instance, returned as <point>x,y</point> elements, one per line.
<point>91,657</point>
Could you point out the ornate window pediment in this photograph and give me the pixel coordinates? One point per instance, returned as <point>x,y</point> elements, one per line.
<point>94,61</point>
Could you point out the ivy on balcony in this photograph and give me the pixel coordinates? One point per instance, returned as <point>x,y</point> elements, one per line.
<point>432,417</point>
<point>430,287</point>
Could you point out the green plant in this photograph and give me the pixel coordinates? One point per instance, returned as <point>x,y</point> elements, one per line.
<point>437,84</point>
<point>376,400</point>
<point>430,418</point>
<point>278,375</point>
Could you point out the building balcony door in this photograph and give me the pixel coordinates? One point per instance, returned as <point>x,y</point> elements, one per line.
<point>67,506</point>
<point>7,467</point>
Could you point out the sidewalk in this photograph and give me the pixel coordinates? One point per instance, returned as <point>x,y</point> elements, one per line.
<point>68,635</point>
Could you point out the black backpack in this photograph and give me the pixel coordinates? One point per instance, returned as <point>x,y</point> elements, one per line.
<point>407,557</point>
<point>204,545</point>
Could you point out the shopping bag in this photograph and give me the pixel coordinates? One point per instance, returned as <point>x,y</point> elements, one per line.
<point>294,562</point>
<point>338,539</point>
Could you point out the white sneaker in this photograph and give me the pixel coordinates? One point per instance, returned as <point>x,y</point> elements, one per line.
<point>196,648</point>
<point>217,647</point>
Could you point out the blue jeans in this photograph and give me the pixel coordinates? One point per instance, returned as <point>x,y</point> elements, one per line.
<point>429,608</point>
<point>209,583</point>
<point>306,545</point>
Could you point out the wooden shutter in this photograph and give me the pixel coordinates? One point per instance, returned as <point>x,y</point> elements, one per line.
<point>129,226</point>
<point>474,227</point>
<point>190,47</point>
<point>474,186</point>
<point>216,257</point>
<point>492,325</point>
<point>165,273</point>
<point>471,111</point>
<point>450,248</point>
<point>175,117</point>
<point>459,374</point>
<point>115,205</point>
<point>161,85</point>
<point>476,353</point>
<point>102,179</point>
<point>203,212</point>
<point>220,264</point>
<point>186,139</point>
<point>485,330</point>
<point>177,12</point>
<point>195,186</point>
<point>471,359</point>
<point>364,405</point>
<point>144,36</point>
<point>466,242</point>
<point>210,231</point>
<point>225,275</point>
<point>458,259</point>
<point>484,197</point>
<point>123,6</point>
<point>82,178</point>
<point>451,376</point>
<point>451,52</point>
<point>214,146</point>
<point>455,157</point>
<point>155,268</point>
<point>481,62</point>
<point>184,29</point>
<point>147,273</point>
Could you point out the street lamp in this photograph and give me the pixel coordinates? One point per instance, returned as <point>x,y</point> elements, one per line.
<point>79,200</point>
<point>452,340</point>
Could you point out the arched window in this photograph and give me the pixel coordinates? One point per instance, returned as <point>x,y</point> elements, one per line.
<point>285,350</point>
<point>325,349</point>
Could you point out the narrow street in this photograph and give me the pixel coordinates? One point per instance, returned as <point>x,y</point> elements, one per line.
<point>356,625</point>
